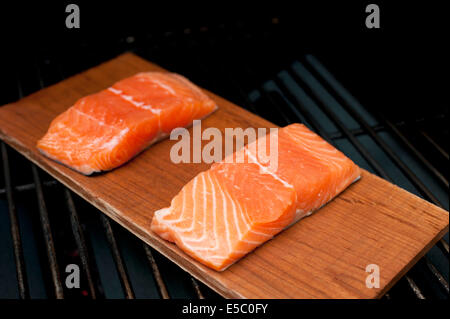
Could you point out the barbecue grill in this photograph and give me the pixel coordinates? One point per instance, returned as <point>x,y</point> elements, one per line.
<point>44,226</point>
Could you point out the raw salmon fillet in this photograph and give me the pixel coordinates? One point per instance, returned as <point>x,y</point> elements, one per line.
<point>104,130</point>
<point>232,208</point>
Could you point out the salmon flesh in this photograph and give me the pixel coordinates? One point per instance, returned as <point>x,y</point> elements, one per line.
<point>105,130</point>
<point>227,211</point>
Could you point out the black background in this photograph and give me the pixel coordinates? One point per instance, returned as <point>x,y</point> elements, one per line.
<point>400,66</point>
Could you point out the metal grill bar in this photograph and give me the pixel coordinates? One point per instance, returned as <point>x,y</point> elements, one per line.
<point>124,280</point>
<point>438,275</point>
<point>15,231</point>
<point>357,131</point>
<point>268,97</point>
<point>415,288</point>
<point>27,187</point>
<point>395,131</point>
<point>159,281</point>
<point>305,100</point>
<point>444,246</point>
<point>80,242</point>
<point>45,224</point>
<point>47,232</point>
<point>435,145</point>
<point>197,288</point>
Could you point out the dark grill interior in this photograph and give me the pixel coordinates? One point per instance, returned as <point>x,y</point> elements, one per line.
<point>44,226</point>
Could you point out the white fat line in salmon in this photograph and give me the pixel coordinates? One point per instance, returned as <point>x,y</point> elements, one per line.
<point>265,170</point>
<point>216,242</point>
<point>115,140</point>
<point>203,236</point>
<point>166,211</point>
<point>115,91</point>
<point>130,99</point>
<point>164,86</point>
<point>235,217</point>
<point>92,118</point>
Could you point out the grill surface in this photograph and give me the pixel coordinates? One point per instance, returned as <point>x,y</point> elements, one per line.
<point>44,227</point>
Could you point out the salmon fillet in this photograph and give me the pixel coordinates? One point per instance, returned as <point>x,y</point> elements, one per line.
<point>104,130</point>
<point>227,211</point>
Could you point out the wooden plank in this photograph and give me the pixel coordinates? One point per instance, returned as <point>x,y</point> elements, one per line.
<point>322,256</point>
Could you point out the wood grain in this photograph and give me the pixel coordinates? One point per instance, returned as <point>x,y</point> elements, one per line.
<point>322,256</point>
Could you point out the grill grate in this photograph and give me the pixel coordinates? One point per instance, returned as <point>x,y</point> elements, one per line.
<point>117,265</point>
<point>18,252</point>
<point>327,104</point>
